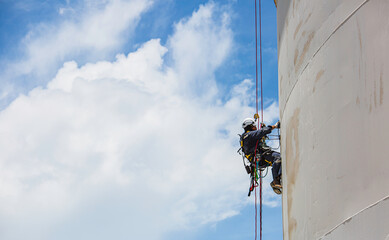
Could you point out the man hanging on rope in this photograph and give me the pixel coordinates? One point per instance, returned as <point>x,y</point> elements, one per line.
<point>253,144</point>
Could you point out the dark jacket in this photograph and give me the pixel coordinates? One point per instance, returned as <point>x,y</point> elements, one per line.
<point>250,140</point>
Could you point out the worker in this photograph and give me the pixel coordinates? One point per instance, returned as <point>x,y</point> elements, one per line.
<point>253,143</point>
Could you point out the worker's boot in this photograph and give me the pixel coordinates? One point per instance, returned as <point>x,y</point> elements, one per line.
<point>276,185</point>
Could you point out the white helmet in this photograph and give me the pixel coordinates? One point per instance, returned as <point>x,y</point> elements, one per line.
<point>247,122</point>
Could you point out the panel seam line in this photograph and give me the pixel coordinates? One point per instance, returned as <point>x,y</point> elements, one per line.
<point>350,218</point>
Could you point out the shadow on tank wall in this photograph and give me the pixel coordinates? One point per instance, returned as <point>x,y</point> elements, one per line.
<point>282,10</point>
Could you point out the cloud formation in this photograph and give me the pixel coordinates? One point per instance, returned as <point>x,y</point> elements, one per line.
<point>133,148</point>
<point>92,30</point>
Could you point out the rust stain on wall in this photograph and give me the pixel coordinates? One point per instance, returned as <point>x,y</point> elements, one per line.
<point>281,78</point>
<point>309,16</point>
<point>370,106</point>
<point>381,89</point>
<point>292,164</point>
<point>304,52</point>
<point>297,3</point>
<point>296,54</point>
<point>359,35</point>
<point>297,29</point>
<point>375,94</point>
<point>292,226</point>
<point>294,6</point>
<point>318,76</point>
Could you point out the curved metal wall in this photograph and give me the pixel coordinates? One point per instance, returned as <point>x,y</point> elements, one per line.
<point>334,107</point>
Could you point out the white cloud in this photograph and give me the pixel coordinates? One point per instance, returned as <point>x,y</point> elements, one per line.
<point>189,51</point>
<point>96,33</point>
<point>94,30</point>
<point>64,10</point>
<point>117,150</point>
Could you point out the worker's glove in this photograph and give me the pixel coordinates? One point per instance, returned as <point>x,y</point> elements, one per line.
<point>263,125</point>
<point>277,125</point>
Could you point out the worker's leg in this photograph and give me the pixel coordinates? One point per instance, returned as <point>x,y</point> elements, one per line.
<point>276,170</point>
<point>275,159</point>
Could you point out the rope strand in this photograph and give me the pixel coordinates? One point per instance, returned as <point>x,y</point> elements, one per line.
<point>260,68</point>
<point>256,61</point>
<point>260,54</point>
<point>256,106</point>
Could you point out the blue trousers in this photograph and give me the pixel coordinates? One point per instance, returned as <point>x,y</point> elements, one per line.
<point>275,159</point>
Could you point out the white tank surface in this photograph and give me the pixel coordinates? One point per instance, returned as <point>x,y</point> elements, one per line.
<point>334,108</point>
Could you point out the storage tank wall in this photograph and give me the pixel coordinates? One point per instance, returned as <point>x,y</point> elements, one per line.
<point>334,107</point>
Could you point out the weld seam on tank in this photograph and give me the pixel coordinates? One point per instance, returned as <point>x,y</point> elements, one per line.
<point>320,47</point>
<point>356,214</point>
<point>333,32</point>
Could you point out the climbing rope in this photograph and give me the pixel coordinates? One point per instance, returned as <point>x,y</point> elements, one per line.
<point>256,107</point>
<point>260,60</point>
<point>256,61</point>
<point>259,126</point>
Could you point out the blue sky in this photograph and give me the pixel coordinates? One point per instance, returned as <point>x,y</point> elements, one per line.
<point>119,118</point>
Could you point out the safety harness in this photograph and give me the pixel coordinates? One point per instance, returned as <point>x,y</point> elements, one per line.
<point>254,161</point>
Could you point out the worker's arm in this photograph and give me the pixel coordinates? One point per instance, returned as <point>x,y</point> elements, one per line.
<point>259,134</point>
